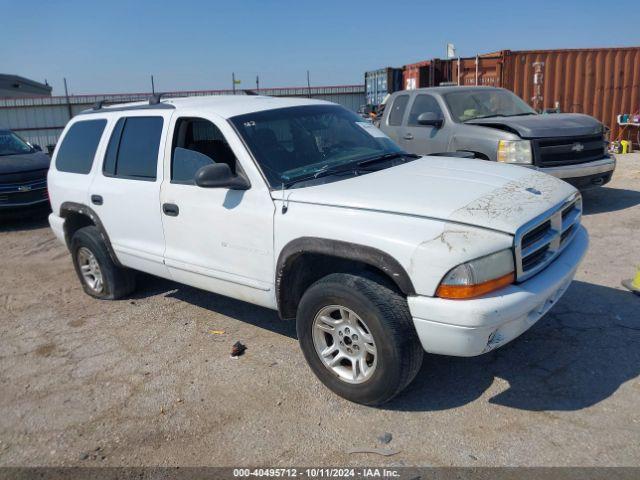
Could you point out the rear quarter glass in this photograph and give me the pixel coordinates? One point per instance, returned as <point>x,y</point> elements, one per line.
<point>79,146</point>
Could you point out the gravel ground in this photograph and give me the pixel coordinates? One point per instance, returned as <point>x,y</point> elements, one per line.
<point>144,381</point>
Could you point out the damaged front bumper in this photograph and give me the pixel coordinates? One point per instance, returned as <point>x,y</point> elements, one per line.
<point>466,328</point>
<point>584,175</point>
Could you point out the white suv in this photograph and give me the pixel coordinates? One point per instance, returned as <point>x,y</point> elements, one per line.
<point>301,206</point>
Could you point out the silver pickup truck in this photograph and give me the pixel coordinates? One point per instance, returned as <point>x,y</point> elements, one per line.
<point>494,124</point>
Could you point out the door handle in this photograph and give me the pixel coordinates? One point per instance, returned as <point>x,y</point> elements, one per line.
<point>96,199</point>
<point>408,136</point>
<point>170,209</point>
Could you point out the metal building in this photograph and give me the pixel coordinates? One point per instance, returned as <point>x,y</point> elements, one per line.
<point>40,120</point>
<point>14,86</point>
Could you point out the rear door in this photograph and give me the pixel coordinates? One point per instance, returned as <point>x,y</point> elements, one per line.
<point>425,139</point>
<point>125,193</point>
<point>394,115</point>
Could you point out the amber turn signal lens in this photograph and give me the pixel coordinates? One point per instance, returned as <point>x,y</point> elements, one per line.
<point>459,292</point>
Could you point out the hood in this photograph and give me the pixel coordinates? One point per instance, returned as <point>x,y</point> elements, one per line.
<point>475,192</point>
<point>26,162</point>
<point>552,125</point>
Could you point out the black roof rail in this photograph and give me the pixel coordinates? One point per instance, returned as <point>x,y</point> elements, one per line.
<point>98,105</point>
<point>157,106</point>
<point>155,98</point>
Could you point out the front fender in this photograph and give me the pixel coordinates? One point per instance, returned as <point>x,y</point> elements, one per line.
<point>456,244</point>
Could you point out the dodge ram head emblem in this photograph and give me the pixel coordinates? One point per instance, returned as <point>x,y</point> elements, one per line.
<point>533,190</point>
<point>24,188</point>
<point>577,147</point>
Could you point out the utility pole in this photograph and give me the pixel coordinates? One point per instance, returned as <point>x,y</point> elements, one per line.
<point>308,84</point>
<point>66,94</point>
<point>153,87</point>
<point>258,83</point>
<point>233,82</point>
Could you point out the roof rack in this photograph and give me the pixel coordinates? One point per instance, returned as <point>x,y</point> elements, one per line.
<point>153,106</point>
<point>155,98</point>
<point>98,105</point>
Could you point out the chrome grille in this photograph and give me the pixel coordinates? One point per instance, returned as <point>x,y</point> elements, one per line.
<point>541,240</point>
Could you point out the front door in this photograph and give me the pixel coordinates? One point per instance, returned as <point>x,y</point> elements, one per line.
<point>217,239</point>
<point>423,139</point>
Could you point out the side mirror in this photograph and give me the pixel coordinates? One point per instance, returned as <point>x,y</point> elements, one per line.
<point>430,119</point>
<point>219,175</point>
<point>36,147</point>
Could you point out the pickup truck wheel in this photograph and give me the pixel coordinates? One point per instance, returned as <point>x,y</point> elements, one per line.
<point>100,277</point>
<point>358,337</point>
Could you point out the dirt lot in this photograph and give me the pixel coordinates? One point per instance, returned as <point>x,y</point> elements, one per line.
<point>143,381</point>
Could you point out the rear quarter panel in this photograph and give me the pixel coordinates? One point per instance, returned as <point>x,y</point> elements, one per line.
<point>74,187</point>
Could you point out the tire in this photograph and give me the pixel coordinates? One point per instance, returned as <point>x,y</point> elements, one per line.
<point>87,250</point>
<point>384,313</point>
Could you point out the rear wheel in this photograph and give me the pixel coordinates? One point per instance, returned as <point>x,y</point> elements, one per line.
<point>99,275</point>
<point>358,337</point>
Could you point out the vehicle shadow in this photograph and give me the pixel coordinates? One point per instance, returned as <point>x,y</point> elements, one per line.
<point>13,222</point>
<point>579,354</point>
<point>261,317</point>
<point>607,199</point>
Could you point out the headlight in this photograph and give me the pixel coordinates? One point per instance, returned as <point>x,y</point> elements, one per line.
<point>479,276</point>
<point>515,151</point>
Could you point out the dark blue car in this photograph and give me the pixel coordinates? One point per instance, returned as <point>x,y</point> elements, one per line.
<point>23,174</point>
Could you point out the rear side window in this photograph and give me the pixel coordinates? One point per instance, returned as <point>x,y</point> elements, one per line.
<point>397,109</point>
<point>133,148</point>
<point>79,146</point>
<point>423,104</point>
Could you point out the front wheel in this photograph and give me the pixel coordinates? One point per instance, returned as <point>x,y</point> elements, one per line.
<point>358,337</point>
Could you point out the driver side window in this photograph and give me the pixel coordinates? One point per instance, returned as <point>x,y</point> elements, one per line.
<point>423,104</point>
<point>198,142</point>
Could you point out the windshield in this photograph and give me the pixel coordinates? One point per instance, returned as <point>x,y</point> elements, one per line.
<point>466,105</point>
<point>298,142</point>
<point>12,144</point>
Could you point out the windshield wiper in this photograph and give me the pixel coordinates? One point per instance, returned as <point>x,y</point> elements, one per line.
<point>385,157</point>
<point>348,168</point>
<point>317,174</point>
<point>493,115</point>
<point>521,114</point>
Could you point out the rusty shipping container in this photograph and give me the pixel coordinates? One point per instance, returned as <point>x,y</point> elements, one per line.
<point>602,82</point>
<point>484,70</point>
<point>429,73</point>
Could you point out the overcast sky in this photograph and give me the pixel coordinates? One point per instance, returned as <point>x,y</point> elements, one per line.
<point>114,46</point>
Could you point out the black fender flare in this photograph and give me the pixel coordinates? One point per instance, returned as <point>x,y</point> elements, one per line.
<point>345,250</point>
<point>72,207</point>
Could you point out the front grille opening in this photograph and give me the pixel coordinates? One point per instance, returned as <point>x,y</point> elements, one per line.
<point>566,233</point>
<point>536,258</point>
<point>568,210</point>
<point>536,234</point>
<point>554,152</point>
<point>23,197</point>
